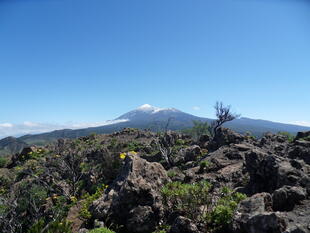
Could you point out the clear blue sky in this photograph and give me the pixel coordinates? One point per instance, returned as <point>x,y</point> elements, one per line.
<point>88,61</point>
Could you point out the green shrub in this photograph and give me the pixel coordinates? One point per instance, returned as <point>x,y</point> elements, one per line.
<point>3,162</point>
<point>199,128</point>
<point>180,142</point>
<point>33,195</point>
<point>204,165</point>
<point>134,146</point>
<point>186,198</point>
<point>52,227</point>
<point>249,135</point>
<point>290,137</point>
<point>306,138</point>
<point>101,230</point>
<point>195,202</point>
<point>5,182</point>
<point>221,215</point>
<point>88,199</point>
<point>59,227</point>
<point>171,174</point>
<point>113,144</point>
<point>160,231</point>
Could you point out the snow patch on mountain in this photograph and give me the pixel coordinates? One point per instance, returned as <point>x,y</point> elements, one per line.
<point>152,109</point>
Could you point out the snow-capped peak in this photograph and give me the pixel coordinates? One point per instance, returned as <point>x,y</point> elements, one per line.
<point>152,109</point>
<point>148,108</point>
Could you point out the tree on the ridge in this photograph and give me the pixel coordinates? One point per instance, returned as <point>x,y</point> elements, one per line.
<point>223,115</point>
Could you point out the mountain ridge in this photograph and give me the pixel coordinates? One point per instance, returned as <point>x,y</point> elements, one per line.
<point>155,119</point>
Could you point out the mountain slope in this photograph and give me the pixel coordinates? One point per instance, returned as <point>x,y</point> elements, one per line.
<point>11,145</point>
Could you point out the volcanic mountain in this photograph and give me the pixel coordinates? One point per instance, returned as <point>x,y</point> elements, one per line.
<point>156,119</point>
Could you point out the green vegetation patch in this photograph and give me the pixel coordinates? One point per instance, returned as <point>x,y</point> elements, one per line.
<point>195,202</point>
<point>101,230</point>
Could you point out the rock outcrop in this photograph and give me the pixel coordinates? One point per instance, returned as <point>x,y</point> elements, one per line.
<point>134,199</point>
<point>254,215</point>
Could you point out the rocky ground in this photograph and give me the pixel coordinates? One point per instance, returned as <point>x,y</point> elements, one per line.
<point>141,182</point>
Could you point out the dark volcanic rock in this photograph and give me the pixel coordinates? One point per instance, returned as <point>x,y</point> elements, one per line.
<point>254,215</point>
<point>183,225</point>
<point>270,172</point>
<point>226,136</point>
<point>191,153</point>
<point>285,198</point>
<point>301,135</point>
<point>300,150</point>
<point>134,199</point>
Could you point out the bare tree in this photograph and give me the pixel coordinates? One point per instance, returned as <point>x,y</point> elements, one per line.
<point>165,151</point>
<point>223,114</point>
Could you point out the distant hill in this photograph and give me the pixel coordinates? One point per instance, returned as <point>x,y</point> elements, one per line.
<point>153,118</point>
<point>11,145</point>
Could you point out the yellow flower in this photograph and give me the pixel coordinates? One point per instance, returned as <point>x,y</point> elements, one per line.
<point>106,186</point>
<point>73,199</point>
<point>132,152</point>
<point>122,155</point>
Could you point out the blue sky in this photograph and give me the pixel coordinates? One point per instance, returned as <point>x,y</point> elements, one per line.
<point>68,62</point>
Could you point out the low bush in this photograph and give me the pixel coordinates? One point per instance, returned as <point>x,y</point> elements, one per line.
<point>186,198</point>
<point>204,165</point>
<point>3,162</point>
<point>101,230</point>
<point>221,215</point>
<point>171,174</point>
<point>88,199</point>
<point>290,137</point>
<point>194,201</point>
<point>52,227</point>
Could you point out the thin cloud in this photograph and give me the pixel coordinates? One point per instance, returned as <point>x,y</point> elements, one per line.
<point>27,127</point>
<point>301,123</point>
<point>95,124</point>
<point>196,108</point>
<point>30,124</point>
<point>6,125</point>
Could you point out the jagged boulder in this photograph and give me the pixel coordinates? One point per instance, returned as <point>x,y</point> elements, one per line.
<point>183,225</point>
<point>274,143</point>
<point>269,172</point>
<point>254,215</point>
<point>134,199</point>
<point>187,154</point>
<point>285,198</point>
<point>225,136</point>
<point>170,138</point>
<point>204,140</point>
<point>302,135</point>
<point>300,150</point>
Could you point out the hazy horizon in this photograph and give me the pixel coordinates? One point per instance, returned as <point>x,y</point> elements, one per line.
<point>24,128</point>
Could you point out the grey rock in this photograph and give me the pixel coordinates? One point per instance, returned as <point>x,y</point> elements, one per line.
<point>285,198</point>
<point>226,136</point>
<point>254,215</point>
<point>183,225</point>
<point>301,135</point>
<point>134,199</point>
<point>191,153</point>
<point>269,172</point>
